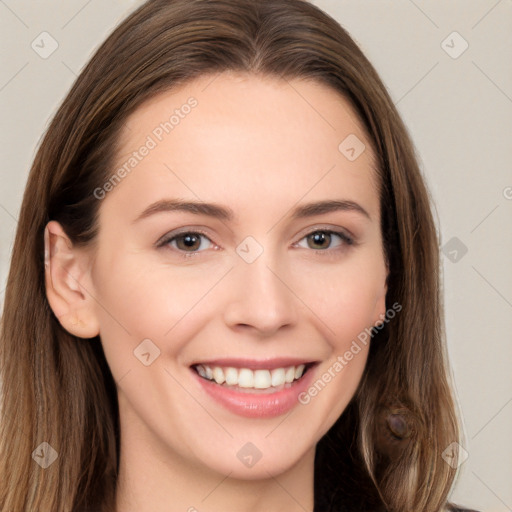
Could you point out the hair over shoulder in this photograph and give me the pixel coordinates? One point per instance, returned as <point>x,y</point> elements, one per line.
<point>385,452</point>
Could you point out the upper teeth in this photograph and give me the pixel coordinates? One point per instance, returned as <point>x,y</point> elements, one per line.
<point>246,378</point>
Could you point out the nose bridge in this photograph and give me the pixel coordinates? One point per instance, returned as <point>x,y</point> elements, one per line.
<point>262,297</point>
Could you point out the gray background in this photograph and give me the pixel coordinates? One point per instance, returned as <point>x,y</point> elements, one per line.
<point>457,106</point>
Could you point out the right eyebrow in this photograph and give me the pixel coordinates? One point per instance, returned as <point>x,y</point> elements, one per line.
<point>196,207</point>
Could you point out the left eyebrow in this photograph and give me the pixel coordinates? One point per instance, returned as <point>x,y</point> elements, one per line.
<point>322,207</point>
<point>223,213</point>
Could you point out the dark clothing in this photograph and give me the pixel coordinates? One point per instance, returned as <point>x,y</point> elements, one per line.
<point>341,482</point>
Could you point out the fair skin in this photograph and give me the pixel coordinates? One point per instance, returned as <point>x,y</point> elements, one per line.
<point>261,147</point>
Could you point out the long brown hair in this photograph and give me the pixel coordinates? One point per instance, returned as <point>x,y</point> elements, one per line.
<point>385,450</point>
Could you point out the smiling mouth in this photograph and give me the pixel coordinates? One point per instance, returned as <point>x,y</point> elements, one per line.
<point>253,381</point>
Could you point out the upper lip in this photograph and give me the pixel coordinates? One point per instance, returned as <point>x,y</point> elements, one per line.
<point>256,364</point>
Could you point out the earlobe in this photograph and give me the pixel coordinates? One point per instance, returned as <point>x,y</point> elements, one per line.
<point>67,283</point>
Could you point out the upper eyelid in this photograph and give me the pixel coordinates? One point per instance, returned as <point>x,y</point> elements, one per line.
<point>168,237</point>
<point>334,230</point>
<point>347,238</point>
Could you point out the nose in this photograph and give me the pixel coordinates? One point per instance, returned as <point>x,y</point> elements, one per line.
<point>261,298</point>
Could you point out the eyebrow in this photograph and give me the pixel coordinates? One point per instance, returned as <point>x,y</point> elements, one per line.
<point>226,214</point>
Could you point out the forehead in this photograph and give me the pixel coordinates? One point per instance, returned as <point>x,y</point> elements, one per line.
<point>236,133</point>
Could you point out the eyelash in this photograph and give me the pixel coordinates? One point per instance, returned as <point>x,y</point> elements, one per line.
<point>346,239</point>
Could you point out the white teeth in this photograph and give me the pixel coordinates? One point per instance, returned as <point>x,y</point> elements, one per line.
<point>299,370</point>
<point>246,378</point>
<point>262,379</point>
<point>278,377</point>
<point>231,376</point>
<point>200,369</point>
<point>218,375</point>
<point>290,374</point>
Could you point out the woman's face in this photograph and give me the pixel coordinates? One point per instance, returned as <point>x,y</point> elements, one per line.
<point>246,274</point>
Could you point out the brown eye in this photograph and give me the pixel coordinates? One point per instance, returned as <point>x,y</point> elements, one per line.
<point>190,242</point>
<point>319,238</point>
<point>326,239</point>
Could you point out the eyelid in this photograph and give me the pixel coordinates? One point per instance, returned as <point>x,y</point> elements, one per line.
<point>348,238</point>
<point>181,231</point>
<point>346,241</point>
<point>329,228</point>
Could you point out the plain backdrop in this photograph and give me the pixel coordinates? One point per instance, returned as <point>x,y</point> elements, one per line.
<point>448,68</point>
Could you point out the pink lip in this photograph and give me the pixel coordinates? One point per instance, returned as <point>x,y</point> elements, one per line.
<point>255,364</point>
<point>257,405</point>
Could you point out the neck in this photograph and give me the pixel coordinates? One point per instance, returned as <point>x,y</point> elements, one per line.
<point>155,478</point>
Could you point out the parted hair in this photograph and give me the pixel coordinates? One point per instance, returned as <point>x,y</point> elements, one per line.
<point>385,450</point>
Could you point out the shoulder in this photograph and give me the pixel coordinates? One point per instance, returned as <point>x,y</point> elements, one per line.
<point>456,508</point>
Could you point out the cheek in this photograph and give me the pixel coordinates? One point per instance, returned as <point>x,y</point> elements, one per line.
<point>137,301</point>
<point>347,299</point>
<point>354,309</point>
<point>347,307</point>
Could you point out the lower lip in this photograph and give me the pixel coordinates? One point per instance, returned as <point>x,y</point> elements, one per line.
<point>257,405</point>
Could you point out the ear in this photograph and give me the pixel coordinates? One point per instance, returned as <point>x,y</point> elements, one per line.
<point>68,284</point>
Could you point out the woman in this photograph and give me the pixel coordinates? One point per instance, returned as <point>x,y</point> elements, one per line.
<point>224,285</point>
